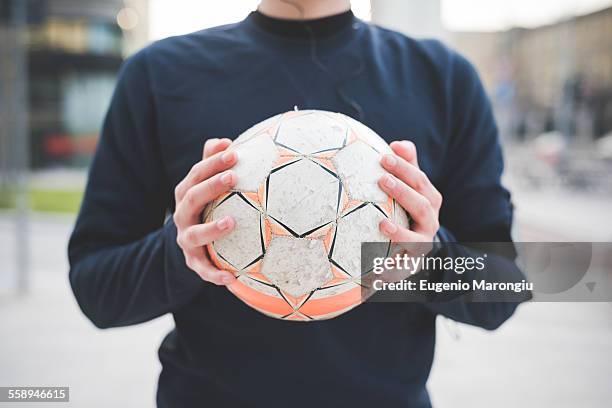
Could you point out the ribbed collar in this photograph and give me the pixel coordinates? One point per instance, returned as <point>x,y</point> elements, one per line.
<point>329,34</point>
<point>320,27</point>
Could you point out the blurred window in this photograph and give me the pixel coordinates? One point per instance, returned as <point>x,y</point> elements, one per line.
<point>85,98</point>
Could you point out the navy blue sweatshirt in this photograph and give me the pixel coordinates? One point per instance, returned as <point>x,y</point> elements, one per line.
<point>126,267</point>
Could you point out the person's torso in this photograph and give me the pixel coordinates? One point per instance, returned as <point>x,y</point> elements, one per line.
<point>218,83</point>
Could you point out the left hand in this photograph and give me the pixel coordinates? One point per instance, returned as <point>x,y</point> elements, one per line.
<point>411,188</point>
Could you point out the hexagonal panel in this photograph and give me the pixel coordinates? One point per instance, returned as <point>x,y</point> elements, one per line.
<point>259,287</point>
<point>333,290</point>
<point>303,196</point>
<point>255,160</point>
<point>368,135</point>
<point>361,225</point>
<point>359,167</point>
<point>312,133</point>
<point>243,245</point>
<point>296,265</point>
<point>257,128</point>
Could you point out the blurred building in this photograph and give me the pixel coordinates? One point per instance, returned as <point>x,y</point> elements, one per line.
<point>554,77</point>
<point>73,50</point>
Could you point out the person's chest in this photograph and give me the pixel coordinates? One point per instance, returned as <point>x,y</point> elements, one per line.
<point>213,103</point>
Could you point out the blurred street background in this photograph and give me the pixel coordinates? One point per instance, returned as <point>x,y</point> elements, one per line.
<point>547,66</point>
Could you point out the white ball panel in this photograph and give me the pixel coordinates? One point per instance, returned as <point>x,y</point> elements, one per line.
<point>258,286</point>
<point>333,290</point>
<point>296,265</point>
<point>312,132</point>
<point>243,245</point>
<point>359,167</point>
<point>255,160</point>
<point>362,225</point>
<point>368,135</point>
<point>257,128</point>
<point>303,196</point>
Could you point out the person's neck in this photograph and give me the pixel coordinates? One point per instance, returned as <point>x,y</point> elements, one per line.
<point>302,9</point>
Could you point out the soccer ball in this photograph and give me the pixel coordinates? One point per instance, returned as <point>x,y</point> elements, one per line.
<point>306,197</point>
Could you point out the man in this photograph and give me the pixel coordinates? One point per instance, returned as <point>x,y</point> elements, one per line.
<point>130,263</point>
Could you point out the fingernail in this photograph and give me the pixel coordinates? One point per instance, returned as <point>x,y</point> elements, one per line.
<point>228,157</point>
<point>227,279</point>
<point>223,223</point>
<point>227,178</point>
<point>389,181</point>
<point>390,160</point>
<point>389,227</point>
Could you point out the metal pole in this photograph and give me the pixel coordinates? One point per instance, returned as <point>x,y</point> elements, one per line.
<point>21,145</point>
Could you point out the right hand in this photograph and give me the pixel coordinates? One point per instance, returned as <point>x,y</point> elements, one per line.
<point>206,180</point>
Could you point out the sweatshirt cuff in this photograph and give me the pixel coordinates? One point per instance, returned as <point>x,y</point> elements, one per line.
<point>444,235</point>
<point>183,283</point>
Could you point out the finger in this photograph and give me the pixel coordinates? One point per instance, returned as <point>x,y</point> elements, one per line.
<point>203,170</point>
<point>201,234</point>
<point>419,207</point>
<point>213,146</point>
<point>413,176</point>
<point>201,194</point>
<point>208,143</point>
<point>198,262</point>
<point>397,233</point>
<point>406,150</point>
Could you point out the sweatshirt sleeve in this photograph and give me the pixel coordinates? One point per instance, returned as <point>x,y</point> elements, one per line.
<point>125,266</point>
<point>478,308</point>
<point>476,208</point>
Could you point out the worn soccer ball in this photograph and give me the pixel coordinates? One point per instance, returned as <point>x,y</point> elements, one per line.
<point>306,197</point>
